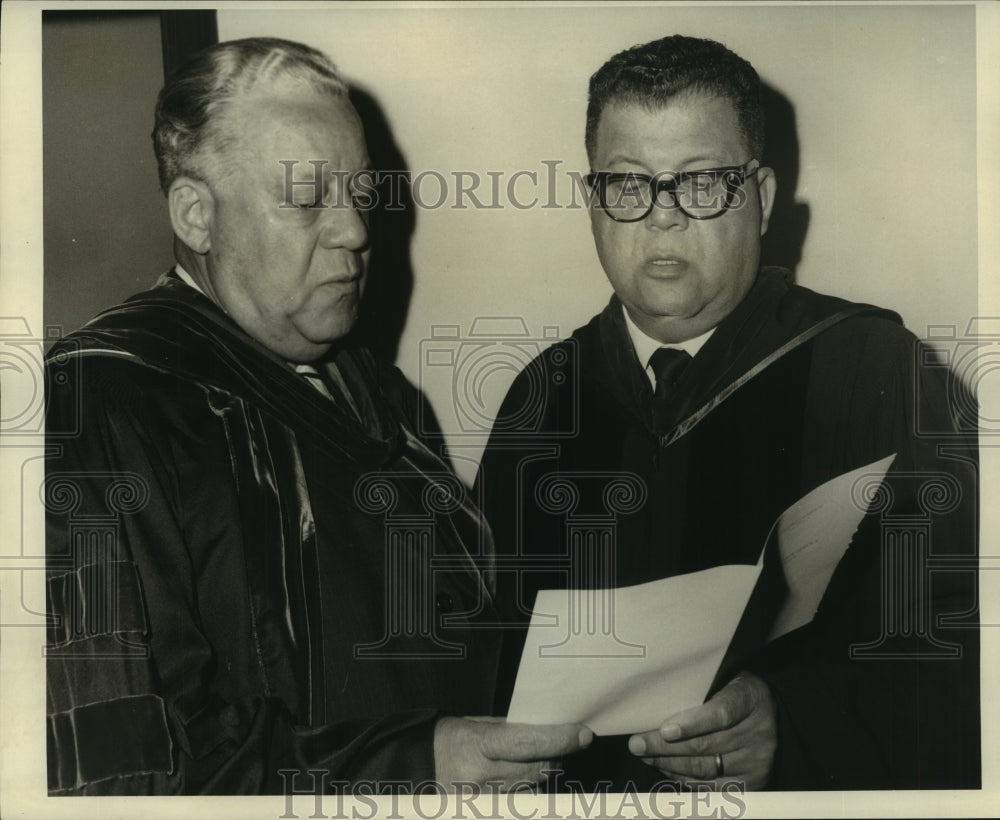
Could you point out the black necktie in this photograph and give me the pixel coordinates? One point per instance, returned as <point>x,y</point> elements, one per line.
<point>329,386</point>
<point>314,379</point>
<point>667,364</point>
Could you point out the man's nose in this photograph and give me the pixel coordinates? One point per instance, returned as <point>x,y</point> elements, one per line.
<point>344,227</point>
<point>666,214</point>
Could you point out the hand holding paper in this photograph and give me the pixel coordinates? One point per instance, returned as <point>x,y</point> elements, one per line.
<point>738,723</point>
<point>619,660</point>
<point>628,678</point>
<point>491,752</point>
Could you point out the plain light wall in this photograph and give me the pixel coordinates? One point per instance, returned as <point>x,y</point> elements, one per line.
<point>107,233</point>
<point>884,104</point>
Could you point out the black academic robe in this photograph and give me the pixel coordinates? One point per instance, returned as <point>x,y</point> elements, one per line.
<point>244,577</point>
<point>793,389</point>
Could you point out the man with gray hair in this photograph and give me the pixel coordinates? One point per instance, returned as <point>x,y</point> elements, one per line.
<point>259,579</point>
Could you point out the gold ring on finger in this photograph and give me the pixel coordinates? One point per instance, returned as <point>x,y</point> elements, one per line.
<point>720,769</point>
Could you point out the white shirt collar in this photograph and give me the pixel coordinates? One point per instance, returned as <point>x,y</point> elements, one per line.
<point>645,346</point>
<point>186,278</point>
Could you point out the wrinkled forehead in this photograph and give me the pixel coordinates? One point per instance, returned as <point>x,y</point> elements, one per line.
<point>301,123</point>
<point>291,102</point>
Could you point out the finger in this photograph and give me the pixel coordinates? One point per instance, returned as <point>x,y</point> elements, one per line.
<point>485,719</point>
<point>524,742</point>
<point>712,784</point>
<point>504,776</point>
<point>703,767</point>
<point>686,768</point>
<point>652,744</point>
<point>725,709</point>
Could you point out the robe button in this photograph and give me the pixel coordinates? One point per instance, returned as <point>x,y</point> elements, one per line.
<point>444,603</point>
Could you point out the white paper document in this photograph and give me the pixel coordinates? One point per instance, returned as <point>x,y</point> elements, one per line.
<point>622,660</point>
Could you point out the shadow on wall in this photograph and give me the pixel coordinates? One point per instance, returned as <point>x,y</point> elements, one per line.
<point>786,233</point>
<point>392,222</point>
<point>390,270</point>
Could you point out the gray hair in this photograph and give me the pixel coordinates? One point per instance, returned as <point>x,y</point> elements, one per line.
<point>189,106</point>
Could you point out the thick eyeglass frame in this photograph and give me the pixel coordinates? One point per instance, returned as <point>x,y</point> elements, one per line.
<point>667,182</point>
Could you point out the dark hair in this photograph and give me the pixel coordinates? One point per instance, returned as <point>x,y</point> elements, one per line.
<point>654,73</point>
<point>189,105</point>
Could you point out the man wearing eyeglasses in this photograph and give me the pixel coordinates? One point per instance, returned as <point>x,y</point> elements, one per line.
<point>728,393</point>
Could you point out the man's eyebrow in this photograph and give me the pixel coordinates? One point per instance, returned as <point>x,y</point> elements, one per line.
<point>715,161</point>
<point>627,160</point>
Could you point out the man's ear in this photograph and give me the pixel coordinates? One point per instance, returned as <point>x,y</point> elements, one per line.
<point>192,208</point>
<point>767,184</point>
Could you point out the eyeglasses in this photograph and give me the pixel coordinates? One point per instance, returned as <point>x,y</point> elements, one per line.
<point>703,194</point>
